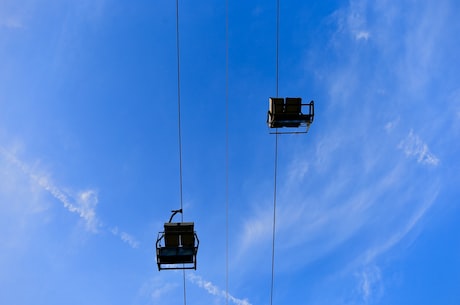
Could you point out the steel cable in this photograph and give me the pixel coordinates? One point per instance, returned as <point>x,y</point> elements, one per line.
<point>276,155</point>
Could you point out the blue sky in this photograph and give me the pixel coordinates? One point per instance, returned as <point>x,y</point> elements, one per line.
<point>367,201</point>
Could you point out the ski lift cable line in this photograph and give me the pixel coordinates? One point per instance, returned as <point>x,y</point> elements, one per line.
<point>179,130</point>
<point>226,150</point>
<point>276,154</point>
<point>178,107</point>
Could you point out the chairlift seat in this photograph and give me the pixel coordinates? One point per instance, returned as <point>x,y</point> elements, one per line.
<point>288,113</point>
<point>180,246</point>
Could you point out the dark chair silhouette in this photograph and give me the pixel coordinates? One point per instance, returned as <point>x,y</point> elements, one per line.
<point>288,113</point>
<point>179,248</point>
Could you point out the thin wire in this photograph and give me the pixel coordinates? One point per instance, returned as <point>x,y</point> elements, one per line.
<point>276,153</point>
<point>277,43</point>
<point>178,106</point>
<point>185,294</point>
<point>179,129</point>
<point>226,151</point>
<point>274,220</point>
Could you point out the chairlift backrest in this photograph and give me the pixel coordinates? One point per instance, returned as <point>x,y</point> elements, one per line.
<point>276,105</point>
<point>188,239</point>
<point>179,233</point>
<point>293,105</point>
<point>171,238</point>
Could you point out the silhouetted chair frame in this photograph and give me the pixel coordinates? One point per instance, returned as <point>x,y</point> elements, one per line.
<point>290,113</point>
<point>177,246</point>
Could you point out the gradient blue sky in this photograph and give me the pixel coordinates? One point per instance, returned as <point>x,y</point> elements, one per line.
<point>368,202</point>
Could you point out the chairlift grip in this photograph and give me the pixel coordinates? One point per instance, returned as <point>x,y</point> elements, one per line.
<point>174,212</point>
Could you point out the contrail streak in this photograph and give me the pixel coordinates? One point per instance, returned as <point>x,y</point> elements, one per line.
<point>83,203</point>
<point>214,290</point>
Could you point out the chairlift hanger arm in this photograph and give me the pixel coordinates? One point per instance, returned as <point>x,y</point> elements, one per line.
<point>174,212</point>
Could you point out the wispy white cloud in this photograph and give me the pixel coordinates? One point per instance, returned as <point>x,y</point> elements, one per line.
<point>352,201</point>
<point>352,20</point>
<point>127,238</point>
<point>390,126</point>
<point>83,203</point>
<point>320,218</point>
<point>413,146</point>
<point>370,283</point>
<point>214,290</point>
<point>157,288</point>
<point>405,71</point>
<point>362,35</point>
<point>397,235</point>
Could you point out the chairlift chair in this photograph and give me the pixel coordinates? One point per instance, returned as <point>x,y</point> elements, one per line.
<point>290,113</point>
<point>177,245</point>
